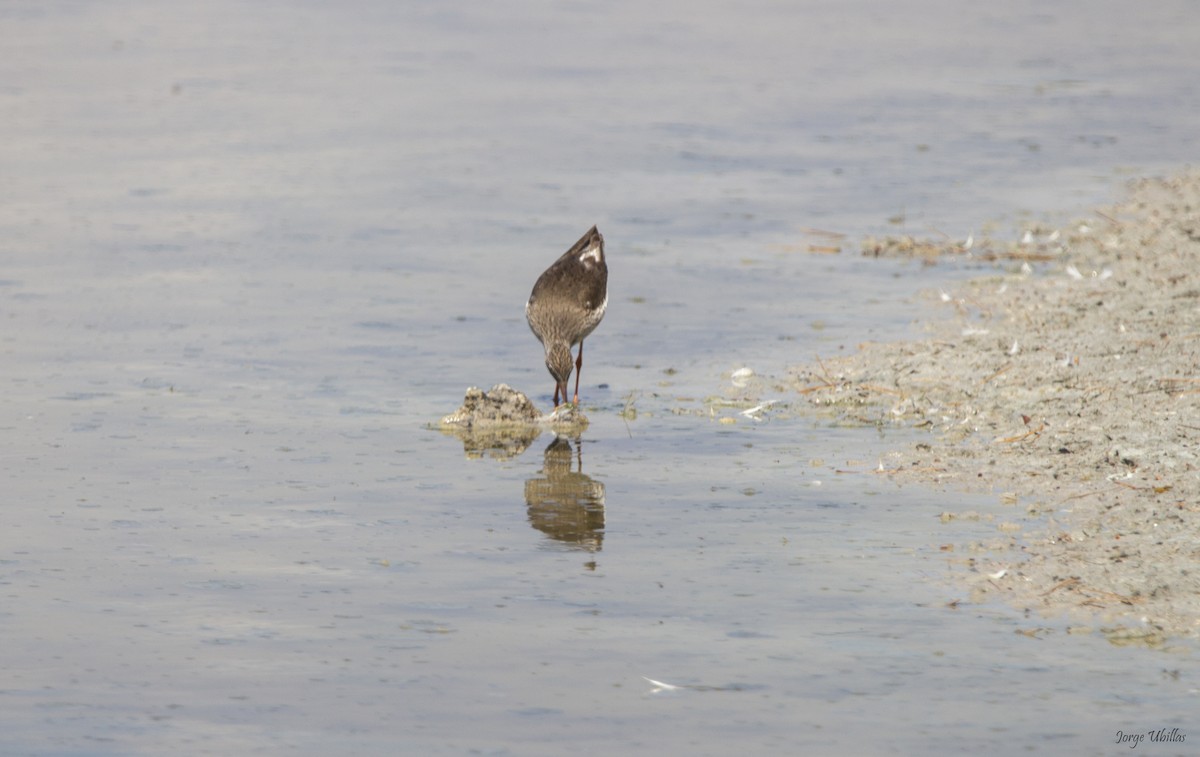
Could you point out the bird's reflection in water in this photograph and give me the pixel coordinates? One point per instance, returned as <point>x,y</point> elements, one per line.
<point>566,505</point>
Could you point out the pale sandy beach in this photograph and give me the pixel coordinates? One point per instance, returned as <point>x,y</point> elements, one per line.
<point>1068,385</point>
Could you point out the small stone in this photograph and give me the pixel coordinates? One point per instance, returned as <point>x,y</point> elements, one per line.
<point>499,406</point>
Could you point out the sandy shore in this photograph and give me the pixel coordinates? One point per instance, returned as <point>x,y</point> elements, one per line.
<point>1068,383</point>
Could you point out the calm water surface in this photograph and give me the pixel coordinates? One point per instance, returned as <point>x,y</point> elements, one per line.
<point>250,252</point>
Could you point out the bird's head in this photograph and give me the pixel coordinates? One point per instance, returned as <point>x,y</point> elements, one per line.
<point>559,363</point>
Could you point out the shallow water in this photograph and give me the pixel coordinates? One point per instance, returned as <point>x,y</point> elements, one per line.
<point>252,252</point>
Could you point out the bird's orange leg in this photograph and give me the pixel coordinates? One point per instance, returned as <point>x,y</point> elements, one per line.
<point>578,370</point>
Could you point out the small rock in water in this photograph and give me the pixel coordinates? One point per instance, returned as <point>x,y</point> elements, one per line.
<point>502,408</point>
<point>564,413</point>
<point>502,405</point>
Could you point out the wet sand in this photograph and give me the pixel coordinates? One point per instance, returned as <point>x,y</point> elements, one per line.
<point>1067,384</point>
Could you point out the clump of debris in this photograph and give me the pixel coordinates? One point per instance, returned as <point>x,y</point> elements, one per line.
<point>504,422</point>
